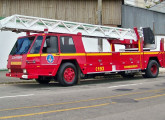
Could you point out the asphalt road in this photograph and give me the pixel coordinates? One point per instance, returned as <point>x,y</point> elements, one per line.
<point>113,98</point>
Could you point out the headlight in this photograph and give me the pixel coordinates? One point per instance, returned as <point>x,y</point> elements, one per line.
<point>9,70</point>
<point>24,71</point>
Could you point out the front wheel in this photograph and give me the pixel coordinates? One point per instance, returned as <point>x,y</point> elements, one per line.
<point>67,74</point>
<point>152,70</point>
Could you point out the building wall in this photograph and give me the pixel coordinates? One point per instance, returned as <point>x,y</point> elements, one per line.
<point>138,17</point>
<point>112,12</point>
<point>7,40</point>
<point>70,10</point>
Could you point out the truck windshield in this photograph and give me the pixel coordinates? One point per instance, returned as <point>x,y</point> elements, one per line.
<point>22,46</point>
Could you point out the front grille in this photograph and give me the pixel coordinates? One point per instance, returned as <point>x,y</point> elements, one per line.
<point>15,66</point>
<point>14,70</point>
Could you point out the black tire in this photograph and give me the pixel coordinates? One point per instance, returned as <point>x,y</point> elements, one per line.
<point>152,70</point>
<point>67,74</point>
<point>43,80</point>
<point>124,75</point>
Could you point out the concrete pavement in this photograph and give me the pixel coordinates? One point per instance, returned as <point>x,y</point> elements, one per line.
<point>10,80</point>
<point>135,99</point>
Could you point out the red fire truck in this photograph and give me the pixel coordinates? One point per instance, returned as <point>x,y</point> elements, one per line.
<point>58,50</point>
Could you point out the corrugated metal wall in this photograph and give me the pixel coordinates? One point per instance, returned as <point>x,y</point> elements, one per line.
<point>137,17</point>
<point>71,10</point>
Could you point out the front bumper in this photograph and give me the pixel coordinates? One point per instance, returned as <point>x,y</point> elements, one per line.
<point>21,76</point>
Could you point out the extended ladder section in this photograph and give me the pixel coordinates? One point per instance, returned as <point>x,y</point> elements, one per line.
<point>21,23</point>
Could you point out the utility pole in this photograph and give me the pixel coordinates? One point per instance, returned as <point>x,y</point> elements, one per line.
<point>99,11</point>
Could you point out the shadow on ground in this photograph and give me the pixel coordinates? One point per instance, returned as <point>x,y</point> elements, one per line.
<point>97,80</point>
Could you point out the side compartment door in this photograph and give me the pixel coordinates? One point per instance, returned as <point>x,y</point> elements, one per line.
<point>98,59</point>
<point>99,62</point>
<point>49,56</point>
<point>116,62</point>
<point>130,60</point>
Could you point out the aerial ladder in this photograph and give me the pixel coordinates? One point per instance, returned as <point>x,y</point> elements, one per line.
<point>21,23</point>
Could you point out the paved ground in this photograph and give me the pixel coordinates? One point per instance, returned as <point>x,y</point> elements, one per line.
<point>108,99</point>
<point>9,80</point>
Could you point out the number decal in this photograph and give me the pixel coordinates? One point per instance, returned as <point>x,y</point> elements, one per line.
<point>99,69</point>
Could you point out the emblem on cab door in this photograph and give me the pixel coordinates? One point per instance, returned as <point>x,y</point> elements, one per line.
<point>50,58</point>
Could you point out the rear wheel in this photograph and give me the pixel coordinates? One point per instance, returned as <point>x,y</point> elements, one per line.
<point>152,70</point>
<point>43,80</point>
<point>67,74</point>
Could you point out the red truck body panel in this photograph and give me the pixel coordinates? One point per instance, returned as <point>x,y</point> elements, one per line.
<point>88,62</point>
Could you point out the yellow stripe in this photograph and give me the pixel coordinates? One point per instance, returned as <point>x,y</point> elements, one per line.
<point>98,54</point>
<point>92,54</point>
<point>139,53</point>
<point>66,54</point>
<point>16,63</point>
<point>85,100</point>
<point>77,108</point>
<point>33,55</point>
<point>131,53</point>
<point>51,54</point>
<point>111,48</point>
<point>139,45</point>
<point>61,110</point>
<point>72,54</point>
<point>148,53</point>
<point>131,66</point>
<point>79,54</point>
<point>150,97</point>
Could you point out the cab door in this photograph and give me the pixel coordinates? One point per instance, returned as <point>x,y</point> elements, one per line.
<point>33,57</point>
<point>49,56</point>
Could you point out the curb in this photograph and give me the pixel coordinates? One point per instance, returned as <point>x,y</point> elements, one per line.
<point>3,70</point>
<point>21,82</point>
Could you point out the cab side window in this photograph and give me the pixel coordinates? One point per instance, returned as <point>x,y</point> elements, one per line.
<point>50,45</point>
<point>67,45</point>
<point>37,45</point>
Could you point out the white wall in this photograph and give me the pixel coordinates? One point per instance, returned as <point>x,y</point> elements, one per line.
<point>157,41</point>
<point>91,45</point>
<point>7,41</point>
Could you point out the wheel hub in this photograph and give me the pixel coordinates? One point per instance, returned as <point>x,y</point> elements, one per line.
<point>69,74</point>
<point>154,69</point>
